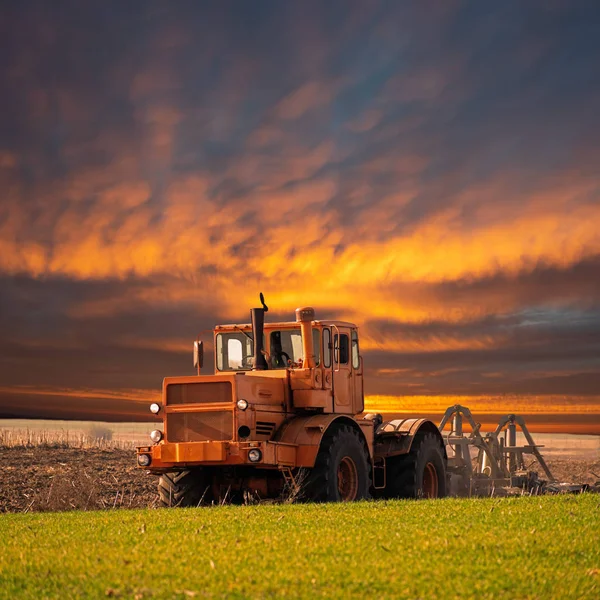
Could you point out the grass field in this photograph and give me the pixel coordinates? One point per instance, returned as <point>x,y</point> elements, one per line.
<point>527,547</point>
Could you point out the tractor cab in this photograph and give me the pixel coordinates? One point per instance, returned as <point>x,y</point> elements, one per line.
<point>320,356</point>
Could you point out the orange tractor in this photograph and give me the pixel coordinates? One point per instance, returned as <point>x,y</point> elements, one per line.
<point>283,413</point>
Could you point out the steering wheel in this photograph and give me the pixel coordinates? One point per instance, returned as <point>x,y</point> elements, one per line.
<point>279,362</point>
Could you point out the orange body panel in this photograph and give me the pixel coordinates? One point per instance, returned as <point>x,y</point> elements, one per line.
<point>186,454</point>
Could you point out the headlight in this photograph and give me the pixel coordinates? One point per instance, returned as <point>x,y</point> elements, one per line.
<point>156,436</point>
<point>254,455</point>
<point>144,460</point>
<point>242,404</point>
<point>155,408</point>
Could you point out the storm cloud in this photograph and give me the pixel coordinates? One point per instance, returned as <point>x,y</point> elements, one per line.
<point>427,170</point>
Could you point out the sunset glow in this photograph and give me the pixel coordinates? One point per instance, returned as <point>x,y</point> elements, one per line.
<point>423,172</point>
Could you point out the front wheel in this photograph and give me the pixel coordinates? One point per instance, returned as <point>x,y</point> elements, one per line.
<point>419,474</point>
<point>341,471</point>
<point>184,488</point>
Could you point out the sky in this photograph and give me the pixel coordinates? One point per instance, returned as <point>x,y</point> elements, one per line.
<point>427,170</point>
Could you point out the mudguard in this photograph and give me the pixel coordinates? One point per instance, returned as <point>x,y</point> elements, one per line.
<point>307,432</point>
<point>396,437</point>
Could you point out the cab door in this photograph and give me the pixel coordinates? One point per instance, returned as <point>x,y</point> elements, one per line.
<point>357,374</point>
<point>343,381</point>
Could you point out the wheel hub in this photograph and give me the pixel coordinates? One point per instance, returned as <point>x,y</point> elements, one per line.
<point>347,479</point>
<point>430,481</point>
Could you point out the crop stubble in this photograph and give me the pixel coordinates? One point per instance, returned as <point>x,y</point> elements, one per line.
<point>46,478</point>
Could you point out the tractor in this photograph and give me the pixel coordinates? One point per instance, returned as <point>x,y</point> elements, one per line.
<point>283,416</point>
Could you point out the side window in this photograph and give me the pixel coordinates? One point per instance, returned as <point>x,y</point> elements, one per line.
<point>317,346</point>
<point>234,353</point>
<point>326,348</point>
<point>220,352</point>
<point>296,341</point>
<point>355,354</point>
<point>341,348</point>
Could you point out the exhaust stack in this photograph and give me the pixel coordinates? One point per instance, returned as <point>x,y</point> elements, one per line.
<point>257,315</point>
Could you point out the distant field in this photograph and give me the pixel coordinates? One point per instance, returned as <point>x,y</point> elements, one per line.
<point>86,434</point>
<point>19,432</point>
<point>528,547</point>
<point>35,432</point>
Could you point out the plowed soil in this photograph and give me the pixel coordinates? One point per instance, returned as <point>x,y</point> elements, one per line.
<point>53,479</point>
<point>49,478</point>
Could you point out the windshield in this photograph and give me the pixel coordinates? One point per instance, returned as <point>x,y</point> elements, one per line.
<point>234,351</point>
<point>283,346</point>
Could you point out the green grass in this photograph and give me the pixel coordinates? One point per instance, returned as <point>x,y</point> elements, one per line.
<point>529,547</point>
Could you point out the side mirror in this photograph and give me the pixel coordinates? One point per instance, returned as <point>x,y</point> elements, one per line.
<point>198,355</point>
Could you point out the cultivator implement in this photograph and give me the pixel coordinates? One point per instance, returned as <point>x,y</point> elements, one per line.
<point>497,464</point>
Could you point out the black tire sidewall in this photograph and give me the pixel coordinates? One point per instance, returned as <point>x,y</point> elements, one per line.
<point>431,452</point>
<point>188,488</point>
<point>349,445</point>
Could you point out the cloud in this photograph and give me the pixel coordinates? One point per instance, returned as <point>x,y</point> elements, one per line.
<point>84,404</point>
<point>430,174</point>
<point>309,96</point>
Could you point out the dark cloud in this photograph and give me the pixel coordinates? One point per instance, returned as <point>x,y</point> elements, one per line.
<point>535,352</point>
<point>428,170</point>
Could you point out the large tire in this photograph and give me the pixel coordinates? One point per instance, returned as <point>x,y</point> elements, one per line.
<point>342,471</point>
<point>419,474</point>
<point>184,488</point>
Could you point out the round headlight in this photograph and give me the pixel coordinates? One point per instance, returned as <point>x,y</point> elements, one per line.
<point>143,460</point>
<point>155,408</point>
<point>156,436</point>
<point>242,404</point>
<point>254,455</point>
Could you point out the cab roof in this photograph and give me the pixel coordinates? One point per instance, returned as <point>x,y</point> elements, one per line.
<point>284,325</point>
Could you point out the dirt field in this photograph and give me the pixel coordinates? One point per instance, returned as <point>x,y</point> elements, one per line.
<point>50,478</point>
<point>573,471</point>
<point>47,478</point>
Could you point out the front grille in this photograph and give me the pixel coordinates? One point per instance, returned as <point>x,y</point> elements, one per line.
<point>199,393</point>
<point>200,427</point>
<point>264,428</point>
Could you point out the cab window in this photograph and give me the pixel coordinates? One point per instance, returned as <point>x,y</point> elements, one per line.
<point>234,351</point>
<point>341,347</point>
<point>285,348</point>
<point>355,353</point>
<point>326,348</point>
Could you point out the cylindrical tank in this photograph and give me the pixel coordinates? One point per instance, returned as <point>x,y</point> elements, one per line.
<point>305,316</point>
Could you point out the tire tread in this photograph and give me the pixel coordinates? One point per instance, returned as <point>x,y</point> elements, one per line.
<point>318,482</point>
<point>403,470</point>
<point>181,488</point>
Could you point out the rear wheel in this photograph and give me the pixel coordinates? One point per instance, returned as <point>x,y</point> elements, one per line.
<point>341,471</point>
<point>419,474</point>
<point>184,488</point>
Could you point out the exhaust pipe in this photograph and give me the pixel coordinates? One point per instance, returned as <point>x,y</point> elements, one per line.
<point>257,315</point>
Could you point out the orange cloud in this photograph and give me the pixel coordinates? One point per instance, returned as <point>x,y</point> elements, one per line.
<point>293,246</point>
<point>518,404</point>
<point>427,342</point>
<point>379,182</point>
<point>79,404</point>
<point>121,394</point>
